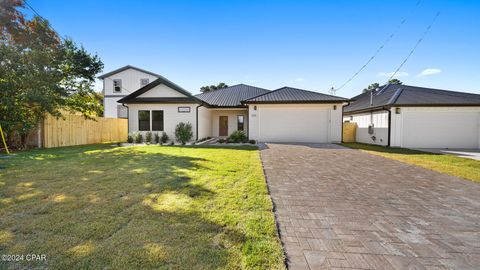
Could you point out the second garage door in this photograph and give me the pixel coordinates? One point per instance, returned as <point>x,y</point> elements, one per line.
<point>293,124</point>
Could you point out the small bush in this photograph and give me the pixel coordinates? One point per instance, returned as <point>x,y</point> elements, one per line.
<point>164,137</point>
<point>237,137</point>
<point>183,132</point>
<point>148,137</point>
<point>156,138</point>
<point>130,138</point>
<point>251,141</point>
<point>221,140</point>
<point>138,137</point>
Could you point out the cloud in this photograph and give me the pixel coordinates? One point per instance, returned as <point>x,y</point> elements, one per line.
<point>429,71</point>
<point>389,74</point>
<point>299,79</point>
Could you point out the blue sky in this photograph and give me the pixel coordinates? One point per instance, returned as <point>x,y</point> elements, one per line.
<point>312,45</point>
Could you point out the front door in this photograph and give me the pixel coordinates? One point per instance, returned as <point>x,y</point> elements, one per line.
<point>223,126</point>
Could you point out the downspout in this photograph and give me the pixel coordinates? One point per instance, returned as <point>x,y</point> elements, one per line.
<point>128,117</point>
<point>196,124</point>
<point>389,126</point>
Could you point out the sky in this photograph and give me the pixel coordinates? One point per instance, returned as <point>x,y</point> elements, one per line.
<point>313,45</point>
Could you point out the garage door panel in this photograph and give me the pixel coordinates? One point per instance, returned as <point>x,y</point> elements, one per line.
<point>293,125</point>
<point>441,129</point>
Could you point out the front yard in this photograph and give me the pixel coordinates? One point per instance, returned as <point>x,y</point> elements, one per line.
<point>456,166</point>
<point>144,207</point>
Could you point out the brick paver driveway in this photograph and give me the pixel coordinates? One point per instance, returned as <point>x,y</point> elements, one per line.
<point>343,208</point>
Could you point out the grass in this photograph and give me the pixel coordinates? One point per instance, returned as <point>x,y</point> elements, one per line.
<point>453,165</point>
<point>145,207</point>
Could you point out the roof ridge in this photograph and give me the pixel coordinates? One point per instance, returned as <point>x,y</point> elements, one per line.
<point>225,88</point>
<point>120,69</point>
<point>440,91</point>
<point>272,91</point>
<point>310,91</point>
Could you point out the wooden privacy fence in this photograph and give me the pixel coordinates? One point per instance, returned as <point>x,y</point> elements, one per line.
<point>349,132</point>
<point>76,130</point>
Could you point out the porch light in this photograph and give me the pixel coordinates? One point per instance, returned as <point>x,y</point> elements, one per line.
<point>397,110</point>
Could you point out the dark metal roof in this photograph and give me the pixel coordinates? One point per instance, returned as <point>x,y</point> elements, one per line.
<point>294,95</point>
<point>407,95</point>
<point>161,80</point>
<point>231,96</point>
<point>125,68</point>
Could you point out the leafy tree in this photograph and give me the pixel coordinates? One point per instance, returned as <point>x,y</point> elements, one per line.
<point>371,87</point>
<point>209,88</point>
<point>395,81</point>
<point>41,73</point>
<point>183,132</point>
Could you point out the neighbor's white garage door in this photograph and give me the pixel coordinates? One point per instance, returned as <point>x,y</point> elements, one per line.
<point>293,124</point>
<point>441,129</point>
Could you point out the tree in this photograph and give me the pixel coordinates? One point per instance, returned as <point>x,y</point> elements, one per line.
<point>209,88</point>
<point>371,87</point>
<point>395,81</point>
<point>41,73</point>
<point>183,132</point>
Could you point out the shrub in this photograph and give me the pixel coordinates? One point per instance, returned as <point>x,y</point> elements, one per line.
<point>130,138</point>
<point>156,138</point>
<point>251,141</point>
<point>237,137</point>
<point>148,137</point>
<point>183,132</point>
<point>221,140</point>
<point>138,137</point>
<point>164,137</point>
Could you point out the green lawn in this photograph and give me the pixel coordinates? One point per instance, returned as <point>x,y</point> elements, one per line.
<point>145,207</point>
<point>456,166</point>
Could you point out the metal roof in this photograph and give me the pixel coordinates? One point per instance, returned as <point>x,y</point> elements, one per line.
<point>407,95</point>
<point>118,70</point>
<point>294,95</point>
<point>231,96</point>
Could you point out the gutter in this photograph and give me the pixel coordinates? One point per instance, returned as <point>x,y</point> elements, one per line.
<point>389,126</point>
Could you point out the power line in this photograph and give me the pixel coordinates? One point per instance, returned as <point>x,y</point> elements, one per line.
<point>416,45</point>
<point>377,51</point>
<point>45,20</point>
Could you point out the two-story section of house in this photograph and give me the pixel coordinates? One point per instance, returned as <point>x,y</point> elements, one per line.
<point>120,83</point>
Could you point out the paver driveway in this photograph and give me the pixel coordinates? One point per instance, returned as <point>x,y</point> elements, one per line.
<point>343,208</point>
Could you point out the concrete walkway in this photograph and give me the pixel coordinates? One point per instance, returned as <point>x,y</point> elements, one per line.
<point>343,208</point>
<point>464,153</point>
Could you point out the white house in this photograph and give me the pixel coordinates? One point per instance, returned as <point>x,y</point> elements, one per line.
<point>283,115</point>
<point>416,117</point>
<point>120,83</point>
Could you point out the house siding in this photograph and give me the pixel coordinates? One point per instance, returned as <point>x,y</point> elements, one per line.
<point>379,119</point>
<point>232,120</point>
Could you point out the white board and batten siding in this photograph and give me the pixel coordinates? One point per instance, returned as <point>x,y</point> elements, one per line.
<point>436,127</point>
<point>305,123</point>
<point>130,83</point>
<point>379,119</point>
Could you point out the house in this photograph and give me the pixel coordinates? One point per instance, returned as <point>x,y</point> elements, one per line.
<point>416,117</point>
<point>120,83</point>
<point>283,115</point>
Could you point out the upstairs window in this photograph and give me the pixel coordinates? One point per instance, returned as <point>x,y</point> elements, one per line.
<point>240,122</point>
<point>157,120</point>
<point>117,85</point>
<point>144,120</point>
<point>144,82</point>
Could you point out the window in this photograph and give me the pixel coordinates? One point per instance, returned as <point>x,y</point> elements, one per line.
<point>183,109</point>
<point>240,122</point>
<point>157,120</point>
<point>144,82</point>
<point>144,120</point>
<point>117,85</point>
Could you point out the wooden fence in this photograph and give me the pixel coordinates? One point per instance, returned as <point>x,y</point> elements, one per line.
<point>349,132</point>
<point>76,130</point>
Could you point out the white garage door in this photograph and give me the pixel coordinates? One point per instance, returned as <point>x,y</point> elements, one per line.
<point>287,124</point>
<point>430,129</point>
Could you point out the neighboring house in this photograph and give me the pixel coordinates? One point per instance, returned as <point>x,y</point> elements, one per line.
<point>416,117</point>
<point>283,115</point>
<point>120,83</point>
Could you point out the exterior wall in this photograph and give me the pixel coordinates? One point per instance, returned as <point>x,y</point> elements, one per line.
<point>204,123</point>
<point>296,122</point>
<point>436,127</point>
<point>379,119</point>
<point>130,83</point>
<point>161,91</point>
<point>171,117</point>
<point>232,120</point>
<point>111,108</point>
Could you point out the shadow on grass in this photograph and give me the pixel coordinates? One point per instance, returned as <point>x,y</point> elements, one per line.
<point>101,206</point>
<point>383,149</point>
